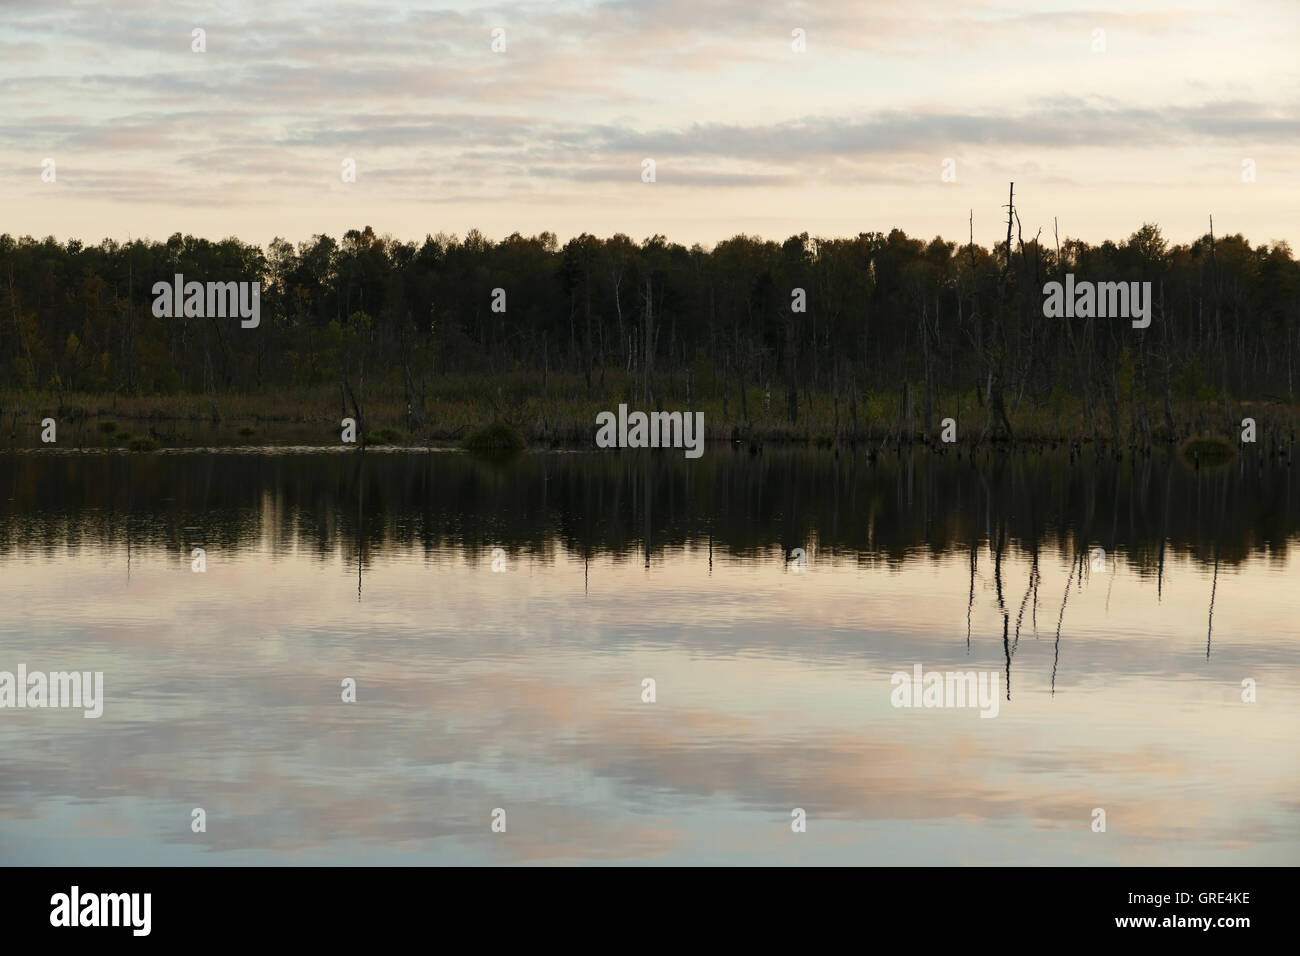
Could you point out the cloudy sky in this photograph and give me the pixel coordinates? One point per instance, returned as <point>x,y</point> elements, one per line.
<point>747,134</point>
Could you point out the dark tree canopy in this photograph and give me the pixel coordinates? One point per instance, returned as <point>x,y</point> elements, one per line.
<point>884,312</point>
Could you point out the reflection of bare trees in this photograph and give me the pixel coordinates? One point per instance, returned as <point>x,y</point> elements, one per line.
<point>1164,529</point>
<point>1002,605</point>
<point>1214,585</point>
<point>970,604</point>
<point>1031,589</point>
<point>361,515</point>
<point>624,504</point>
<point>1060,618</point>
<point>884,509</point>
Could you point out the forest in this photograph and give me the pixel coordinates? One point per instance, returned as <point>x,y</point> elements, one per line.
<point>834,339</point>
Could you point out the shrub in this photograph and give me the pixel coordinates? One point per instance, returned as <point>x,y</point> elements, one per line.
<point>498,438</point>
<point>1211,450</point>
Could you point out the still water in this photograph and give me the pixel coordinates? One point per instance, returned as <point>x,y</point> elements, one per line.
<point>769,597</point>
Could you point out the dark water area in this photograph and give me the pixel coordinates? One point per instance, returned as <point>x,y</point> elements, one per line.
<point>500,619</point>
<point>886,506</point>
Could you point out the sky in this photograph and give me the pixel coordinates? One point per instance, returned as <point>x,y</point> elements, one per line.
<point>912,115</point>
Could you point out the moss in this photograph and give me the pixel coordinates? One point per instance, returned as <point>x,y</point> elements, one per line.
<point>144,443</point>
<point>384,436</point>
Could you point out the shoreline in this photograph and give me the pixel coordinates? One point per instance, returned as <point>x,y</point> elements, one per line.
<point>566,420</point>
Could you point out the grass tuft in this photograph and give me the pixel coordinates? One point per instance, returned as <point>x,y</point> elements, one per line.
<point>1208,451</point>
<point>498,438</point>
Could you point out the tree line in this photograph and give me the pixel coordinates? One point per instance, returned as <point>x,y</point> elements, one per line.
<point>656,322</point>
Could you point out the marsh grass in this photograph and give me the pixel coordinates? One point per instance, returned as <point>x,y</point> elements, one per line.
<point>561,412</point>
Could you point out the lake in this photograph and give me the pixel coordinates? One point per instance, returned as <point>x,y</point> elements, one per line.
<point>500,622</point>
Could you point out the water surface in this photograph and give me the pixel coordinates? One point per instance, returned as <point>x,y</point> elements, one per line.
<point>769,597</point>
